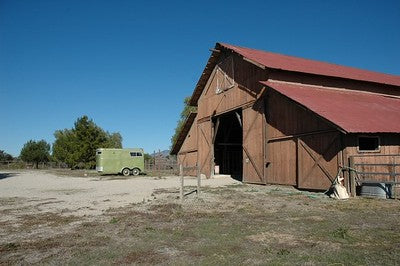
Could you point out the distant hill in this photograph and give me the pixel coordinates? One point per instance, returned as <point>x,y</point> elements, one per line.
<point>164,153</point>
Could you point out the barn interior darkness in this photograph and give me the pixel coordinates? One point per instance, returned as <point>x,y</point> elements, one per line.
<point>228,144</point>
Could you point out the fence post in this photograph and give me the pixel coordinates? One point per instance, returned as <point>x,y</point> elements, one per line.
<point>181,187</point>
<point>352,178</point>
<point>198,179</point>
<point>394,186</point>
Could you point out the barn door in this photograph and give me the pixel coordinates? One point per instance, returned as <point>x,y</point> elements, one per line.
<point>318,160</point>
<point>253,151</point>
<point>204,148</point>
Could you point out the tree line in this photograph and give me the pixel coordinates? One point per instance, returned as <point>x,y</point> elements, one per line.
<point>75,147</point>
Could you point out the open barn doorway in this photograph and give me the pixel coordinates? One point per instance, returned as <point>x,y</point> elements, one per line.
<point>228,144</point>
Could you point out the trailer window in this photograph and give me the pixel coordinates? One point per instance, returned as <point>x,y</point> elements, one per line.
<point>133,154</point>
<point>368,143</point>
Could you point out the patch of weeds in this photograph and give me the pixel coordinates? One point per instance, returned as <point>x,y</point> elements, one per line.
<point>341,233</point>
<point>283,252</point>
<point>114,220</point>
<point>9,247</point>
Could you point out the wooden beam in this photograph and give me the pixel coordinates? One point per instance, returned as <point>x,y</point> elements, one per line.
<point>289,137</point>
<point>254,63</point>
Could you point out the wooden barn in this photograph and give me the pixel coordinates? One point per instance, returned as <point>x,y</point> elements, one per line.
<point>267,118</point>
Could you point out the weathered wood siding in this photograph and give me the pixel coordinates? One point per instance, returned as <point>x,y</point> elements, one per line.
<point>187,155</point>
<point>253,144</point>
<point>190,143</point>
<point>333,82</point>
<point>301,149</point>
<point>382,160</point>
<point>245,90</point>
<point>204,158</point>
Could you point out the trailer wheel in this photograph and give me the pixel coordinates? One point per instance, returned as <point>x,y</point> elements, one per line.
<point>135,171</point>
<point>126,172</point>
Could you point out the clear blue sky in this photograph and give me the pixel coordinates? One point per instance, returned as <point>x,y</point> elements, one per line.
<point>129,64</point>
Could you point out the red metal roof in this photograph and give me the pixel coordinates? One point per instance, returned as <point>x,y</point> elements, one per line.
<point>290,63</point>
<point>352,111</point>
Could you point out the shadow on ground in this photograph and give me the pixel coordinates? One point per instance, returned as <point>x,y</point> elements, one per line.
<point>7,175</point>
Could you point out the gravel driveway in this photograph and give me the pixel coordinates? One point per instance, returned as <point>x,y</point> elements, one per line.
<point>40,191</point>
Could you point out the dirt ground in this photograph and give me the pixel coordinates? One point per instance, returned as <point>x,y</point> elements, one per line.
<point>53,217</point>
<point>69,194</point>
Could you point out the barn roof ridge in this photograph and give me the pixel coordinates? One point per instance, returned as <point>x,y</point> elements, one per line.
<point>311,66</point>
<point>293,64</point>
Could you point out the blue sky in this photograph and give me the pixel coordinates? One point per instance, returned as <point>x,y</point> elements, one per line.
<point>129,64</point>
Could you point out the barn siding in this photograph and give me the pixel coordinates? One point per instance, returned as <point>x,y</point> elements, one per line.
<point>301,148</point>
<point>389,145</point>
<point>333,82</point>
<point>190,142</point>
<point>245,91</point>
<point>253,144</point>
<point>187,156</point>
<point>204,142</point>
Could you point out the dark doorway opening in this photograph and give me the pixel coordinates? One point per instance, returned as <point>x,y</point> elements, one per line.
<point>228,144</point>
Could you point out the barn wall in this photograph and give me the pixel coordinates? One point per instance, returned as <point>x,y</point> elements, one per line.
<point>187,156</point>
<point>246,88</point>
<point>190,142</point>
<point>333,82</point>
<point>253,144</point>
<point>301,149</point>
<point>389,145</point>
<point>204,142</point>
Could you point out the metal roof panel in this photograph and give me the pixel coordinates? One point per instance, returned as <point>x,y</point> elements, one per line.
<point>353,111</point>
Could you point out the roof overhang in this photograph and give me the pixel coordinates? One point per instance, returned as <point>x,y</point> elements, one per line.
<point>351,111</point>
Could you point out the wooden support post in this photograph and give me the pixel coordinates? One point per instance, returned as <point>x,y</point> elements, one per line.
<point>198,179</point>
<point>181,187</point>
<point>394,186</point>
<point>352,177</point>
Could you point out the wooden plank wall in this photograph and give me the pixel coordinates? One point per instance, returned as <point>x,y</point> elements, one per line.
<point>187,155</point>
<point>204,158</point>
<point>253,146</point>
<point>333,82</point>
<point>301,148</point>
<point>246,76</point>
<point>190,142</point>
<point>389,145</point>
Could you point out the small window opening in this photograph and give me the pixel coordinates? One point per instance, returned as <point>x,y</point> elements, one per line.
<point>99,152</point>
<point>368,143</point>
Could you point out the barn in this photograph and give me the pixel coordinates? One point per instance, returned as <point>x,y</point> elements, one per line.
<point>267,118</point>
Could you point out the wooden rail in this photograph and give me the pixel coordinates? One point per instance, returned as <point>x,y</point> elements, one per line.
<point>390,166</point>
<point>181,189</point>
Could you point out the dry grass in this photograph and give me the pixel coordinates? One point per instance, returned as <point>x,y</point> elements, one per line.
<point>235,225</point>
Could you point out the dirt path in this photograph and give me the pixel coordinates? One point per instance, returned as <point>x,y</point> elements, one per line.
<point>39,191</point>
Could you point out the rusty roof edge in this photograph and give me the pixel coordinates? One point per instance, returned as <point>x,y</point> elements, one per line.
<point>182,134</point>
